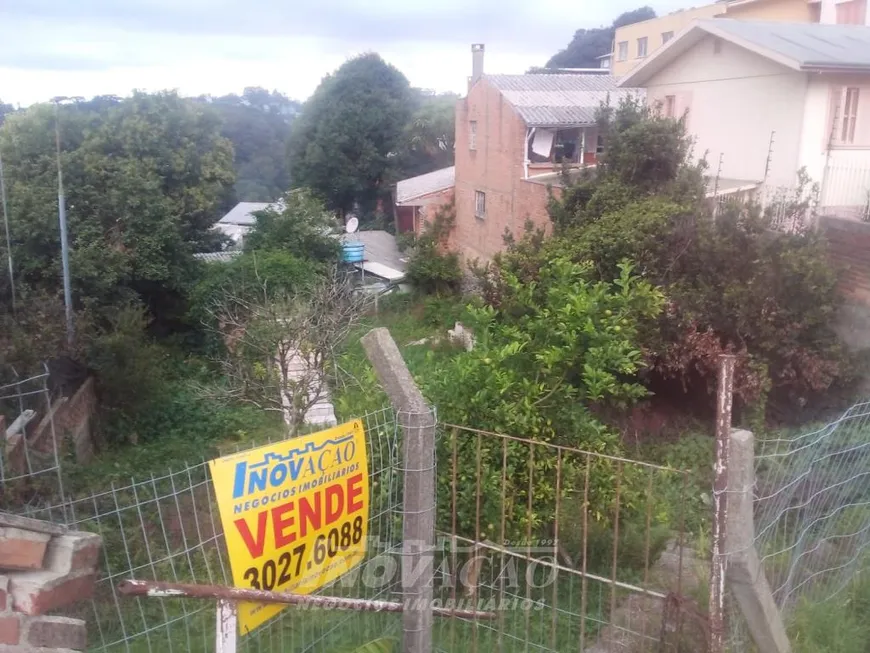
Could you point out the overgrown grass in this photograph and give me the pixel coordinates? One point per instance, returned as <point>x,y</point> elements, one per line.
<point>838,625</point>
<point>180,426</point>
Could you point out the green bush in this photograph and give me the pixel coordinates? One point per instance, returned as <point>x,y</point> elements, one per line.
<point>299,226</point>
<point>542,357</point>
<point>734,284</point>
<point>432,268</point>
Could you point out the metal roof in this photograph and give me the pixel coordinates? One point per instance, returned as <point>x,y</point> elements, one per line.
<point>431,182</point>
<point>558,100</point>
<point>216,257</point>
<point>811,47</point>
<point>242,212</point>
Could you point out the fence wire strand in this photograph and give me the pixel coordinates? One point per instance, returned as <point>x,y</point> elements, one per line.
<point>812,513</point>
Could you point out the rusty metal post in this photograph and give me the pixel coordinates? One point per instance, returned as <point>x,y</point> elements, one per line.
<point>724,400</point>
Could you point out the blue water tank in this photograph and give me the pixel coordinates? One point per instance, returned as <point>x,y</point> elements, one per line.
<point>353,252</point>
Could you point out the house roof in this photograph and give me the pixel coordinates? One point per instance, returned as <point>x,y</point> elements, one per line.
<point>217,257</point>
<point>242,213</point>
<point>558,100</point>
<point>431,182</point>
<point>811,47</point>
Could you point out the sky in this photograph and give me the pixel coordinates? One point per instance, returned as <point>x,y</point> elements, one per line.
<point>71,48</point>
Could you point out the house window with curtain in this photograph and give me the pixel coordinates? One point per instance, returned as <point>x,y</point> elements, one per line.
<point>642,44</point>
<point>622,51</point>
<point>670,106</point>
<point>849,109</point>
<point>479,204</point>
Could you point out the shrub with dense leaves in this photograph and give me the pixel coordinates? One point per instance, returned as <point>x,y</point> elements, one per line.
<point>734,284</point>
<point>549,350</point>
<point>432,268</point>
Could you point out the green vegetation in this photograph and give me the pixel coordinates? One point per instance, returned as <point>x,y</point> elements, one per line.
<point>732,284</point>
<point>835,625</point>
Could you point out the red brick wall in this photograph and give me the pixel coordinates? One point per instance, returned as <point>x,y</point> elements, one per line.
<point>494,167</point>
<point>850,248</point>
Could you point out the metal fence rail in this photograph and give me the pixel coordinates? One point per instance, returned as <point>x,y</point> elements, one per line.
<point>576,550</point>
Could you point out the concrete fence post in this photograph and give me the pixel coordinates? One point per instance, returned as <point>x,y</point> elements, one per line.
<point>745,573</point>
<point>418,522</point>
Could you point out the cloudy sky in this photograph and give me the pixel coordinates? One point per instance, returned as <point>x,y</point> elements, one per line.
<point>91,47</point>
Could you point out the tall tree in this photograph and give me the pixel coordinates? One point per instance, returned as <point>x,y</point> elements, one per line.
<point>344,145</point>
<point>145,179</point>
<point>589,44</point>
<point>429,137</point>
<point>258,125</point>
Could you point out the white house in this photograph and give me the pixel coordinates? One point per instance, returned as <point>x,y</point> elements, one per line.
<point>240,220</point>
<point>764,99</point>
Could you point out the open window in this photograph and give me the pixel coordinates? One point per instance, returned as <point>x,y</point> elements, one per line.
<point>556,146</point>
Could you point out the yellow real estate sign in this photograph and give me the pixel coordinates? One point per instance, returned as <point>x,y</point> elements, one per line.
<point>295,514</point>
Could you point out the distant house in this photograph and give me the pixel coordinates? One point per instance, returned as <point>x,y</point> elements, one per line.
<point>765,99</point>
<point>633,43</point>
<point>418,197</point>
<point>514,136</point>
<point>240,220</point>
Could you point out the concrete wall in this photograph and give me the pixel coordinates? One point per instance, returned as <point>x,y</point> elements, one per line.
<point>793,11</point>
<point>653,30</point>
<point>735,100</point>
<point>494,167</point>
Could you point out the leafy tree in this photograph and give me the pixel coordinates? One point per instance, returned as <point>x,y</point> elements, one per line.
<point>257,123</point>
<point>429,137</point>
<point>145,180</point>
<point>589,44</point>
<point>543,356</point>
<point>734,283</point>
<point>345,141</point>
<point>300,225</point>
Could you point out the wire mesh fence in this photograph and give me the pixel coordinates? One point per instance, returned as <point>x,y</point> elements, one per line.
<point>812,513</point>
<point>167,528</point>
<point>30,453</point>
<point>571,550</point>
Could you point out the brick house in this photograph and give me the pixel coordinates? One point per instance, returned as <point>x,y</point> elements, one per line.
<point>514,134</point>
<point>419,197</point>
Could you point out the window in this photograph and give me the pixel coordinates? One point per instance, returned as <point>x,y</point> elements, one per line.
<point>479,204</point>
<point>599,145</point>
<point>670,106</point>
<point>622,51</point>
<point>641,47</point>
<point>667,36</point>
<point>472,135</point>
<point>850,115</point>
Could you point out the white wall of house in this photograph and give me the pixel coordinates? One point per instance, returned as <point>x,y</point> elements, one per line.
<point>735,100</point>
<point>843,171</point>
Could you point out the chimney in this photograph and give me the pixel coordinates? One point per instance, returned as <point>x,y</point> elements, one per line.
<point>476,61</point>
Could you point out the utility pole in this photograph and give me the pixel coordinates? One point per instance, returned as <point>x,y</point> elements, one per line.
<point>8,239</point>
<point>64,240</point>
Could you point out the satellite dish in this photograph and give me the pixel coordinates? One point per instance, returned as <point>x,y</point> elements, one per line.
<point>352,225</point>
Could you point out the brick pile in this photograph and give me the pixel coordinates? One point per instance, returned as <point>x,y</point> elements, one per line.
<point>44,568</point>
